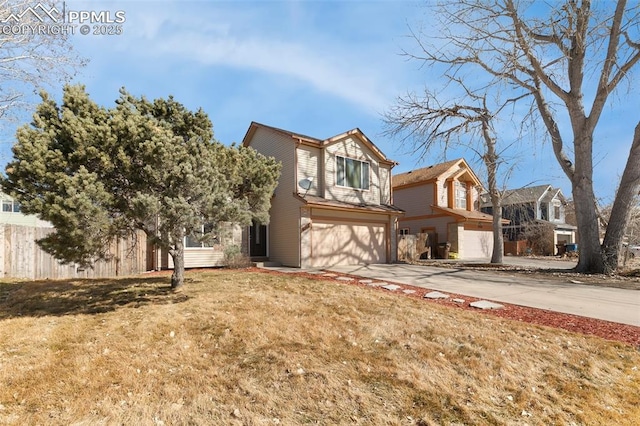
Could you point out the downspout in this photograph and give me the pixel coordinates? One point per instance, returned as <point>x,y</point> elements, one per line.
<point>295,165</point>
<point>295,192</point>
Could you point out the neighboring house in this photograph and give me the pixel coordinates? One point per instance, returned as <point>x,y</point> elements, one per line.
<point>536,214</point>
<point>439,200</point>
<point>10,214</point>
<point>332,204</point>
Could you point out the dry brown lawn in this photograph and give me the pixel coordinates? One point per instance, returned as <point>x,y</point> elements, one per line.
<point>250,348</point>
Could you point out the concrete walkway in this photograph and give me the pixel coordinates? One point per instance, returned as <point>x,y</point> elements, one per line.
<point>611,304</point>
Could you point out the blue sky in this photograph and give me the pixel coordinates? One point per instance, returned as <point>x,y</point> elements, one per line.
<point>314,67</point>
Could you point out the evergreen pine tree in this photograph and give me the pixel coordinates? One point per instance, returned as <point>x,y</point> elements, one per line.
<point>98,174</point>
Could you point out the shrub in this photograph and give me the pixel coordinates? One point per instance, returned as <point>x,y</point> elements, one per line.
<point>234,258</point>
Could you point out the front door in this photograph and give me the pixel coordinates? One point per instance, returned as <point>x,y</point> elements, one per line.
<point>257,240</point>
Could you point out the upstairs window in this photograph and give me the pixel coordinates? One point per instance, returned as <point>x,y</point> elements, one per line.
<point>10,206</point>
<point>544,211</point>
<point>352,173</point>
<point>460,195</point>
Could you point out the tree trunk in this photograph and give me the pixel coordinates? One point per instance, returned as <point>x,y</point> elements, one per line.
<point>491,162</point>
<point>498,237</point>
<point>590,260</point>
<point>177,253</point>
<point>625,197</point>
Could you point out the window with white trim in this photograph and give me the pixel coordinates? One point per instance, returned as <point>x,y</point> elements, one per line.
<point>460,189</point>
<point>352,173</point>
<point>197,239</point>
<point>404,231</point>
<point>10,206</point>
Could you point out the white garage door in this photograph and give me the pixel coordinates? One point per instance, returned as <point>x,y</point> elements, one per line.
<point>339,243</point>
<point>477,244</point>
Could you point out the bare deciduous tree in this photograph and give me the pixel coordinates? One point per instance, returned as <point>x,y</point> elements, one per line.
<point>430,124</point>
<point>30,58</point>
<point>624,208</point>
<point>569,57</point>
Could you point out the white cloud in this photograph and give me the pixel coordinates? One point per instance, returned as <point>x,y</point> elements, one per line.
<point>209,35</point>
<point>338,75</point>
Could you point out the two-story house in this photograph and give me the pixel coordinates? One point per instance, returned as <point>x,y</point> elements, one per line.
<point>536,212</point>
<point>440,201</point>
<point>333,202</point>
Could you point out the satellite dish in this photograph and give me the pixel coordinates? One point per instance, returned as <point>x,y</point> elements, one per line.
<point>306,183</point>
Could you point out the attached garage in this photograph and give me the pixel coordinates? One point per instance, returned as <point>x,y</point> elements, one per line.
<point>476,243</point>
<point>347,243</point>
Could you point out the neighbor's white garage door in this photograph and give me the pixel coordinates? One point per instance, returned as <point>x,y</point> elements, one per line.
<point>340,243</point>
<point>477,244</point>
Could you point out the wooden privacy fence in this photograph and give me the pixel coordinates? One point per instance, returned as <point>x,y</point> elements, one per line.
<point>21,257</point>
<point>413,247</point>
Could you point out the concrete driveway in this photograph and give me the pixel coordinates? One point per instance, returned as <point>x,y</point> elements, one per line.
<point>611,304</point>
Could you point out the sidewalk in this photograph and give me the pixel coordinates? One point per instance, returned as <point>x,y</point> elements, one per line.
<point>610,304</point>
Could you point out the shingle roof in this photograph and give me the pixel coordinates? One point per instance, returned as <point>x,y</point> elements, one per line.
<point>422,175</point>
<point>319,142</point>
<point>468,215</point>
<point>524,195</point>
<point>323,202</point>
<point>255,124</point>
<point>531,194</point>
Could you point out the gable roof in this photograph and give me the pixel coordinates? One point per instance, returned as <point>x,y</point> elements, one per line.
<point>431,173</point>
<point>531,194</point>
<point>467,215</point>
<point>319,143</point>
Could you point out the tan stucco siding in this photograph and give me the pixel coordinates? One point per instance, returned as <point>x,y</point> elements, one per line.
<point>351,147</point>
<point>439,223</point>
<point>415,200</point>
<point>309,167</point>
<point>283,231</point>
